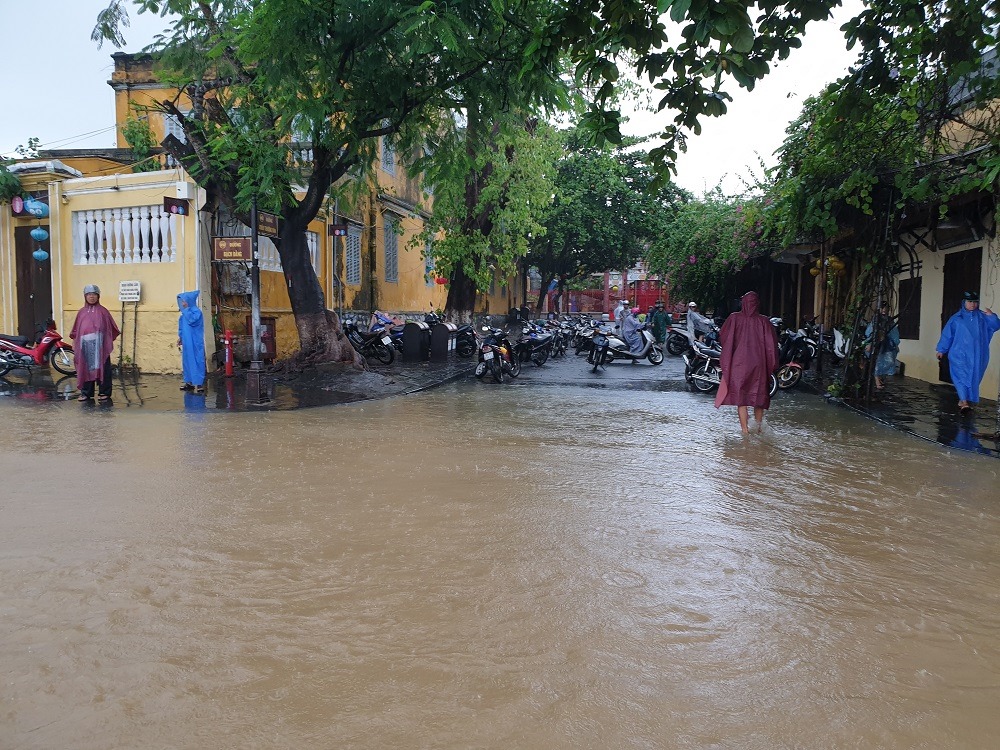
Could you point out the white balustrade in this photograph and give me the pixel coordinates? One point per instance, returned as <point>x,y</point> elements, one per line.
<point>130,234</point>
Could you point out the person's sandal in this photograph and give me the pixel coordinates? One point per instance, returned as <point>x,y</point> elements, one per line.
<point>83,398</point>
<point>103,399</point>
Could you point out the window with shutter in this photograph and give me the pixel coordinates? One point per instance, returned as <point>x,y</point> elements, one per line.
<point>352,262</point>
<point>391,250</point>
<point>172,126</point>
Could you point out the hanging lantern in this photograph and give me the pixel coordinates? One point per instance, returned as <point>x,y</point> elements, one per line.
<point>39,235</point>
<point>36,208</point>
<point>814,271</point>
<point>40,255</point>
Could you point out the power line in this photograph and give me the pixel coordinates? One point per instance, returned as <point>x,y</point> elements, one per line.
<point>64,141</point>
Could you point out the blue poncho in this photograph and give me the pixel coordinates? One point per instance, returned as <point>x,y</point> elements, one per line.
<point>966,341</point>
<point>191,332</point>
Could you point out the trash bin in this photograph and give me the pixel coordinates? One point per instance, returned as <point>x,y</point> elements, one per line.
<point>416,341</point>
<point>442,341</point>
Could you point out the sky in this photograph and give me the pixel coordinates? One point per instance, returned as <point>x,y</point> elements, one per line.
<point>57,90</point>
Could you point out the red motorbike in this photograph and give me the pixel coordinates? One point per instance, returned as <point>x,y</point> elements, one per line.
<point>49,348</point>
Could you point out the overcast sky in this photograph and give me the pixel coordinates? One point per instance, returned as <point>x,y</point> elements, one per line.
<point>57,90</point>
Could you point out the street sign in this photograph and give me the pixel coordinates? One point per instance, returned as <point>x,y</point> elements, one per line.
<point>338,230</point>
<point>267,224</point>
<point>178,206</point>
<point>232,248</point>
<point>129,291</point>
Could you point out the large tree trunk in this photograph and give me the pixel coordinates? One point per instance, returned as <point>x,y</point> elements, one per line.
<point>461,303</point>
<point>321,338</point>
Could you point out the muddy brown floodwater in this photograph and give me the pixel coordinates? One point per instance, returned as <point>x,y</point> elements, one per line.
<point>493,567</point>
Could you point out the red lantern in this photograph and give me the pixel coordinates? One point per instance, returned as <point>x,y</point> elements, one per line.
<point>441,280</point>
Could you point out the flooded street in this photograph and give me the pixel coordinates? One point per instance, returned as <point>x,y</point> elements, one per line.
<point>535,565</point>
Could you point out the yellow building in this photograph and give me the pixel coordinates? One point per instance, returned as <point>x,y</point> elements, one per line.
<point>109,225</point>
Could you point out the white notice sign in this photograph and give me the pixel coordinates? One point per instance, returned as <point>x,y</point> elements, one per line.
<point>128,291</point>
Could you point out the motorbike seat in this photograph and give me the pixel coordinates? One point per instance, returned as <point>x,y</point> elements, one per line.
<point>707,351</point>
<point>17,340</point>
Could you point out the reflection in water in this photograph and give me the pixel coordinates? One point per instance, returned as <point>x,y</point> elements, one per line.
<point>506,567</point>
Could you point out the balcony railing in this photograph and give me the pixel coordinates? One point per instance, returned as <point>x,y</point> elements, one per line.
<point>132,234</point>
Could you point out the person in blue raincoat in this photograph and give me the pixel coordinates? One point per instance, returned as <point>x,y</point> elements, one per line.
<point>966,341</point>
<point>191,342</point>
<point>883,333</point>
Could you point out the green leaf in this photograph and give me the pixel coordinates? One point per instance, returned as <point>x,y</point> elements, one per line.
<point>678,9</point>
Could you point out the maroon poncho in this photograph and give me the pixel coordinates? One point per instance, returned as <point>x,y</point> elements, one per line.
<point>94,333</point>
<point>749,356</point>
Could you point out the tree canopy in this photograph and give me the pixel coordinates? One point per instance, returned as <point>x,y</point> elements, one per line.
<point>604,213</point>
<point>264,76</point>
<point>492,181</point>
<point>707,243</point>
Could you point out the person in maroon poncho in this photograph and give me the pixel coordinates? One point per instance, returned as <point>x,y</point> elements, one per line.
<point>94,333</point>
<point>749,356</point>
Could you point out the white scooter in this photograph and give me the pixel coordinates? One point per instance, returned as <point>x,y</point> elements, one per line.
<point>609,347</point>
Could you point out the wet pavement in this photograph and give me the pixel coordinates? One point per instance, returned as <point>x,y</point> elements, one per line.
<point>929,411</point>
<point>924,410</point>
<point>321,386</point>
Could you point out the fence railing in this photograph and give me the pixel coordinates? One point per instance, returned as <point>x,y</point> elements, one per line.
<point>131,234</point>
<point>587,300</point>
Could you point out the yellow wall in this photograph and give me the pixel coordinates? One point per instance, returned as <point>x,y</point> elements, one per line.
<point>8,288</point>
<point>137,87</point>
<point>154,321</point>
<point>919,354</point>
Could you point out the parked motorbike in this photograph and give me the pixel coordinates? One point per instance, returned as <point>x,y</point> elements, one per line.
<point>678,341</point>
<point>795,354</point>
<point>535,345</point>
<point>583,336</point>
<point>382,323</point>
<point>377,344</point>
<point>496,355</point>
<point>703,371</point>
<point>49,348</point>
<point>608,347</point>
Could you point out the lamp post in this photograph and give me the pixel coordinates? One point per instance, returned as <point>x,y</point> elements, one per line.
<point>255,393</point>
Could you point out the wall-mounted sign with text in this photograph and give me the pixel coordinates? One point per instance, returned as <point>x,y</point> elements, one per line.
<point>232,248</point>
<point>267,224</point>
<point>129,291</point>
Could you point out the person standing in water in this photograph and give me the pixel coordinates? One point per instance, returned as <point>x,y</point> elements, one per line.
<point>191,342</point>
<point>749,356</point>
<point>94,333</point>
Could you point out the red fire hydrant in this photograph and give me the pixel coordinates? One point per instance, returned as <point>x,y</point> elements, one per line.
<point>228,347</point>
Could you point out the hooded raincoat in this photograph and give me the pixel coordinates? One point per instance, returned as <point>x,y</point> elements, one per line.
<point>966,341</point>
<point>661,321</point>
<point>884,329</point>
<point>191,332</point>
<point>94,333</point>
<point>630,332</point>
<point>749,356</point>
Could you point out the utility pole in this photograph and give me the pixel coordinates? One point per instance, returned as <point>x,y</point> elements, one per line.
<point>254,390</point>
